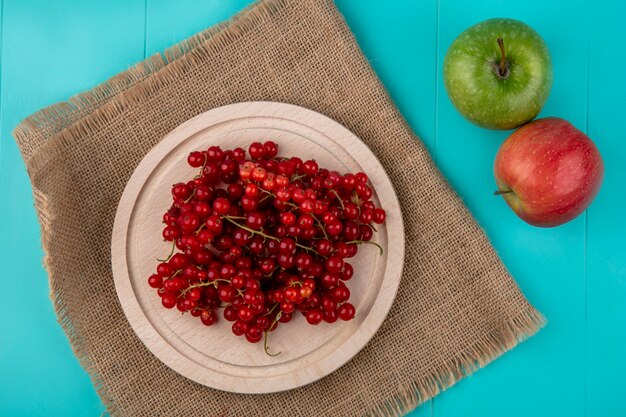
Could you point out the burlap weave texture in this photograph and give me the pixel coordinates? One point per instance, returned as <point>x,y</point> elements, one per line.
<point>457,307</point>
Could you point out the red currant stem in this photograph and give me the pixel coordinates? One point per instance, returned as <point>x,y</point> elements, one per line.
<point>321,226</point>
<point>190,196</point>
<point>340,200</point>
<point>266,236</point>
<point>272,309</point>
<point>306,248</point>
<point>200,228</point>
<point>297,177</point>
<point>358,242</point>
<point>206,159</point>
<point>170,255</point>
<point>272,273</point>
<point>254,232</point>
<point>267,332</point>
<point>264,198</point>
<point>298,283</point>
<point>373,228</point>
<point>206,284</point>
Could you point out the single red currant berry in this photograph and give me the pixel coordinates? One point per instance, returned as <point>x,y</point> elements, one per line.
<point>347,272</point>
<point>239,154</point>
<point>155,281</point>
<point>230,314</point>
<point>271,149</point>
<point>303,261</point>
<point>366,232</point>
<point>263,322</point>
<point>285,260</point>
<point>305,292</point>
<point>215,154</point>
<point>285,317</point>
<point>227,271</point>
<point>235,191</point>
<point>290,294</point>
<point>171,233</point>
<point>255,220</point>
<point>245,313</point>
<point>287,307</point>
<point>181,191</point>
<point>330,316</point>
<point>309,168</point>
<point>256,150</point>
<point>334,264</point>
<point>379,216</point>
<point>202,209</point>
<point>208,317</point>
<point>334,228</point>
<point>249,203</point>
<point>168,300</point>
<point>240,327</point>
<point>238,281</point>
<point>328,303</point>
<point>221,206</point>
<point>287,218</point>
<point>314,316</point>
<point>361,177</point>
<point>214,224</point>
<point>346,312</point>
<point>329,280</point>
<point>164,270</point>
<point>259,174</point>
<point>340,294</point>
<point>196,159</point>
<point>227,293</point>
<point>254,334</point>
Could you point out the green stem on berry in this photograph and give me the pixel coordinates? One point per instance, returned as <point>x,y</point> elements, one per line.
<point>339,198</point>
<point>170,255</point>
<point>297,177</point>
<point>254,232</point>
<point>200,228</point>
<point>209,283</point>
<point>272,309</point>
<point>266,236</point>
<point>319,223</point>
<point>358,242</point>
<point>267,332</point>
<point>203,166</point>
<point>190,196</point>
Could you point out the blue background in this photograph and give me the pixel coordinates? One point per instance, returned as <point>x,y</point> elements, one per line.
<point>575,274</point>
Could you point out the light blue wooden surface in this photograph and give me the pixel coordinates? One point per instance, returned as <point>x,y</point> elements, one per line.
<point>575,274</point>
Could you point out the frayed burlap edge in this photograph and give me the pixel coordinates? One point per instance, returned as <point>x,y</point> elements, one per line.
<point>481,353</point>
<point>66,122</point>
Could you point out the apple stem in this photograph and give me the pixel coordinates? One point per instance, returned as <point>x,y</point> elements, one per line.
<point>502,68</point>
<point>500,192</point>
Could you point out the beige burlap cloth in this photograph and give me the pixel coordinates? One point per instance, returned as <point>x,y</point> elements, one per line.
<point>457,307</point>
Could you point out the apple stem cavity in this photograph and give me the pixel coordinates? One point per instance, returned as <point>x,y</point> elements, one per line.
<point>502,70</point>
<point>500,192</point>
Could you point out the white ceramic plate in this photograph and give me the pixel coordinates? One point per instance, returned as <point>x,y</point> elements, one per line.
<point>213,356</point>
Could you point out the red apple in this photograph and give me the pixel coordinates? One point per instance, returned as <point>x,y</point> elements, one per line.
<point>548,172</point>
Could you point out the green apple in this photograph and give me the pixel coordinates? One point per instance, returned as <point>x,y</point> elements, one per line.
<point>498,73</point>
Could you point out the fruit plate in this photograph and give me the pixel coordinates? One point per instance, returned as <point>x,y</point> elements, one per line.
<point>213,356</point>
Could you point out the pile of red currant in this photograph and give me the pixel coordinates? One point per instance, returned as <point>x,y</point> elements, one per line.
<point>260,238</point>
